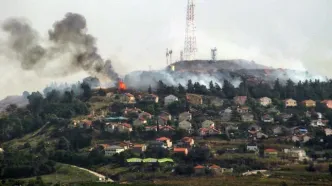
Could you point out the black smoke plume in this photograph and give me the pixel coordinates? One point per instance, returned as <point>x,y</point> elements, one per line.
<point>68,36</point>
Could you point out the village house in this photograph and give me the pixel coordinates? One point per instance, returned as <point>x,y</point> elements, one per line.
<point>110,150</point>
<point>166,128</point>
<point>138,148</point>
<point>140,122</point>
<point>216,170</point>
<point>145,115</point>
<point>290,103</point>
<point>247,117</point>
<point>268,153</point>
<point>166,141</point>
<point>295,153</point>
<point>208,124</point>
<point>328,132</point>
<point>267,118</point>
<point>254,127</point>
<point>240,100</point>
<point>151,128</point>
<point>183,151</point>
<point>130,111</point>
<point>208,131</point>
<point>185,116</point>
<point>125,144</point>
<point>186,142</point>
<point>199,170</point>
<point>124,128</point>
<point>164,117</point>
<point>252,148</point>
<point>129,98</point>
<point>185,125</point>
<point>242,110</point>
<point>170,99</point>
<point>150,98</point>
<point>265,101</point>
<point>300,138</point>
<point>157,145</point>
<point>194,99</point>
<point>279,130</point>
<point>309,103</point>
<point>327,103</point>
<point>317,123</point>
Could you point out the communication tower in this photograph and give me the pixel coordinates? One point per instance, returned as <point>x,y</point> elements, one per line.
<point>181,55</point>
<point>170,56</point>
<point>190,47</point>
<point>214,54</point>
<point>167,54</point>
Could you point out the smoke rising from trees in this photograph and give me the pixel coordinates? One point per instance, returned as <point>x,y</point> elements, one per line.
<point>68,44</point>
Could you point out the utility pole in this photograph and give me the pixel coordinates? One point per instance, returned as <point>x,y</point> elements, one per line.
<point>190,47</point>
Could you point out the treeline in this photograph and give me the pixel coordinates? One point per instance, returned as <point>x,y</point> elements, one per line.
<point>315,90</point>
<point>51,108</point>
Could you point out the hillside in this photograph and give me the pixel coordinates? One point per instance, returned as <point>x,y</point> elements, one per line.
<point>19,101</point>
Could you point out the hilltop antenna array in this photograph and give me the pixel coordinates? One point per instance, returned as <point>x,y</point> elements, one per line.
<point>214,54</point>
<point>190,47</point>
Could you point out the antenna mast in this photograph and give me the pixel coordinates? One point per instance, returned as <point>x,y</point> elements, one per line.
<point>190,47</point>
<point>167,54</point>
<point>181,55</point>
<point>170,56</point>
<point>214,54</point>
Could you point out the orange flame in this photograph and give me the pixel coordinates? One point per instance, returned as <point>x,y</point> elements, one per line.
<point>122,85</point>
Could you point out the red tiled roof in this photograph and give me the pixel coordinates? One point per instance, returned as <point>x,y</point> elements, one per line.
<point>199,167</point>
<point>270,150</point>
<point>214,166</point>
<point>104,145</point>
<point>138,145</point>
<point>126,125</point>
<point>168,127</point>
<point>162,139</point>
<point>129,95</point>
<point>187,139</point>
<point>180,149</point>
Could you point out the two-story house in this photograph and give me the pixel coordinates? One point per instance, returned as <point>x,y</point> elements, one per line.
<point>309,103</point>
<point>185,116</point>
<point>267,118</point>
<point>163,118</point>
<point>129,98</point>
<point>170,99</point>
<point>265,101</point>
<point>290,103</point>
<point>110,150</point>
<point>187,142</point>
<point>240,100</point>
<point>139,148</point>
<point>150,98</point>
<point>208,124</point>
<point>194,99</point>
<point>185,125</point>
<point>166,141</point>
<point>247,117</point>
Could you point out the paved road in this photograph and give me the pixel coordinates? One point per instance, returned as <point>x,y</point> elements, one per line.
<point>100,176</point>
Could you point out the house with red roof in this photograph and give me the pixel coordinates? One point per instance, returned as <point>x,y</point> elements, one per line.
<point>270,153</point>
<point>129,98</point>
<point>187,141</point>
<point>166,141</point>
<point>208,131</point>
<point>216,170</point>
<point>125,128</point>
<point>178,150</point>
<point>199,170</point>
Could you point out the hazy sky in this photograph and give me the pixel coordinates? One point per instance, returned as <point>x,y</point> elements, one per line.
<point>135,33</point>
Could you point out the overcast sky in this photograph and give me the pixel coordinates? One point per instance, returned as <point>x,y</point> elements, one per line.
<point>135,33</point>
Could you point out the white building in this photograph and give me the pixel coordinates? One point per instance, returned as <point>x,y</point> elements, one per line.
<point>170,99</point>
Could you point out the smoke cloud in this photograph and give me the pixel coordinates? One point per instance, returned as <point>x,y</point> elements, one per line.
<point>67,50</point>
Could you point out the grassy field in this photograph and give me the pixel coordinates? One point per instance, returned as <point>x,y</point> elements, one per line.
<point>67,174</point>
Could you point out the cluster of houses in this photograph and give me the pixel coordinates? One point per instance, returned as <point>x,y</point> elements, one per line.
<point>182,146</point>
